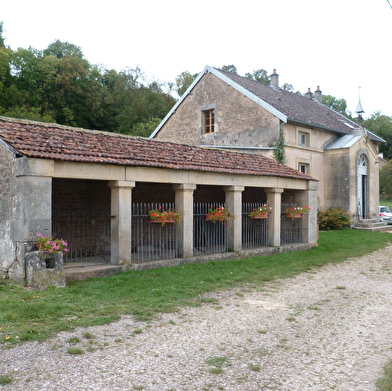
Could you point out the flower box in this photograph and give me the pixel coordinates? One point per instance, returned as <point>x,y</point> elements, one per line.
<point>163,217</point>
<point>296,212</point>
<point>260,216</point>
<point>294,216</point>
<point>219,214</point>
<point>162,221</point>
<point>261,212</point>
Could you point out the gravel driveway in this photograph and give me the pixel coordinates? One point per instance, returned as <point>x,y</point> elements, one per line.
<point>330,329</point>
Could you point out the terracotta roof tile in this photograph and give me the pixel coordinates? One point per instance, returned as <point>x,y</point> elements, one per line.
<point>58,142</point>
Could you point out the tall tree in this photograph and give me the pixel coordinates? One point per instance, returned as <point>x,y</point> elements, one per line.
<point>63,49</point>
<point>183,81</point>
<point>386,180</point>
<point>259,75</point>
<point>381,125</point>
<point>230,68</point>
<point>339,105</point>
<point>2,43</point>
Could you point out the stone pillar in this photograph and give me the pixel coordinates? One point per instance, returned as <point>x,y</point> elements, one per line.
<point>184,203</point>
<point>121,209</point>
<point>309,220</point>
<point>274,200</point>
<point>33,214</point>
<point>234,205</point>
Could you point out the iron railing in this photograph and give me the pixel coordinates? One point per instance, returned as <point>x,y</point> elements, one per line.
<point>254,231</point>
<point>86,228</point>
<point>208,237</point>
<point>152,241</point>
<point>290,229</point>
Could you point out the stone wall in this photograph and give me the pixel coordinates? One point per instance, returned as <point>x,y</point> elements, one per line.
<point>238,120</point>
<point>337,174</point>
<point>7,211</point>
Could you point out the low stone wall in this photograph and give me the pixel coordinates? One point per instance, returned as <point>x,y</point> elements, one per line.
<point>243,254</point>
<point>44,269</point>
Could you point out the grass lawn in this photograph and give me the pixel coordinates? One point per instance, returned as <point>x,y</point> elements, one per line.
<point>27,315</point>
<point>387,203</point>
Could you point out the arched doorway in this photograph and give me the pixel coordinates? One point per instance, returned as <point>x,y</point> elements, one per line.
<point>362,186</point>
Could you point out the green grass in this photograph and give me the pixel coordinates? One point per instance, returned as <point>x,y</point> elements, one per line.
<point>5,379</point>
<point>27,315</point>
<point>385,383</point>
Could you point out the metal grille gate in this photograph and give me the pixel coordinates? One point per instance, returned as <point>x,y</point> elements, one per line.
<point>152,241</point>
<point>209,237</point>
<point>86,229</point>
<point>254,231</point>
<point>291,230</point>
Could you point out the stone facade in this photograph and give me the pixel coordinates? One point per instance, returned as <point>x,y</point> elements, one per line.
<point>238,122</point>
<point>245,122</point>
<point>80,168</point>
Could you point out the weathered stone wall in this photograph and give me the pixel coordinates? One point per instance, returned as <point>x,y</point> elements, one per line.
<point>238,120</point>
<point>25,209</point>
<point>7,211</point>
<point>337,174</point>
<point>44,270</point>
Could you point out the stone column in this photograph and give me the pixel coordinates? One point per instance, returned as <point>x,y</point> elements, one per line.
<point>309,220</point>
<point>234,205</point>
<point>274,200</point>
<point>31,208</point>
<point>184,203</point>
<point>121,209</point>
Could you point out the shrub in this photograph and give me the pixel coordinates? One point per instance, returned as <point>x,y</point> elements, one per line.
<point>333,218</point>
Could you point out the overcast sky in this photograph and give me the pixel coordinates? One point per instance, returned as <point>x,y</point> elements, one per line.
<point>340,45</point>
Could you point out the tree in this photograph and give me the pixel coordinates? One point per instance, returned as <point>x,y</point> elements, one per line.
<point>230,68</point>
<point>2,43</point>
<point>381,125</point>
<point>259,75</point>
<point>63,49</point>
<point>183,81</point>
<point>287,87</point>
<point>339,105</point>
<point>386,180</point>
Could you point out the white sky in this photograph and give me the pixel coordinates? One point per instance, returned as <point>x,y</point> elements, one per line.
<point>340,45</point>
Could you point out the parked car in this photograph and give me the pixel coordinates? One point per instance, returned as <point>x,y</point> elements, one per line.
<point>385,215</point>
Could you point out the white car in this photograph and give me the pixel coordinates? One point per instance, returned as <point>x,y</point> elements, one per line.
<point>385,215</point>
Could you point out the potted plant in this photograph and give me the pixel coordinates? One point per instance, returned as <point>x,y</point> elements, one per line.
<point>219,214</point>
<point>296,212</point>
<point>261,212</point>
<point>50,245</point>
<point>160,216</point>
<point>47,246</point>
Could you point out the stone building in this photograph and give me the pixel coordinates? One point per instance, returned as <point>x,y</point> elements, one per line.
<point>89,188</point>
<point>226,111</point>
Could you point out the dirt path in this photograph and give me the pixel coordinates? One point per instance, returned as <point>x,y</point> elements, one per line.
<point>325,330</point>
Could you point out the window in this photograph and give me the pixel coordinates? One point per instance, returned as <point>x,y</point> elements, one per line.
<point>303,167</point>
<point>208,121</point>
<point>303,138</point>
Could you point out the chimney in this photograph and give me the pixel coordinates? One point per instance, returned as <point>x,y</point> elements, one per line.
<point>274,79</point>
<point>318,96</point>
<point>309,94</point>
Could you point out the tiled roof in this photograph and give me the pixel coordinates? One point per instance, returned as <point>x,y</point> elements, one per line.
<point>57,142</point>
<point>299,108</point>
